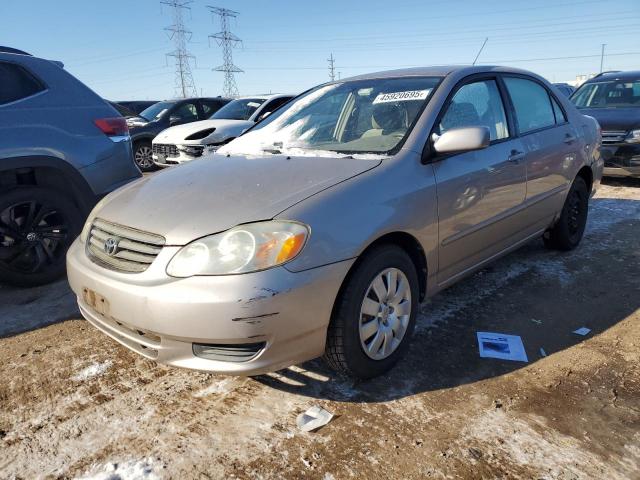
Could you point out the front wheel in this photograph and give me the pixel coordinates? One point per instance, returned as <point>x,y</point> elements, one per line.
<point>37,226</point>
<point>568,231</point>
<point>374,315</point>
<point>143,155</point>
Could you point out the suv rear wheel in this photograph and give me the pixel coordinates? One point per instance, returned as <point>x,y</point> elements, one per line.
<point>37,226</point>
<point>143,155</point>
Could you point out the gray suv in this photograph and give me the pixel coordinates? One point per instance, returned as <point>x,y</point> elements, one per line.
<point>62,148</point>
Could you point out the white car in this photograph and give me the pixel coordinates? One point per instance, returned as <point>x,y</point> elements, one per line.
<point>183,143</point>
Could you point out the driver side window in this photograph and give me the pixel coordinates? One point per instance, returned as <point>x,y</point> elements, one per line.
<point>185,112</point>
<point>477,104</point>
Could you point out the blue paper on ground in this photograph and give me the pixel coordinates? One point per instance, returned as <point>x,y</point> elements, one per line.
<point>502,346</point>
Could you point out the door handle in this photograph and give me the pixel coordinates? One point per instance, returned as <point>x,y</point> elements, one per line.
<point>515,156</point>
<point>569,139</point>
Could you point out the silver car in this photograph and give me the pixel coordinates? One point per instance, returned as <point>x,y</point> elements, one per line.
<point>320,231</point>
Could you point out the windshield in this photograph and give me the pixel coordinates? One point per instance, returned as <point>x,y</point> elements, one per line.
<point>156,110</point>
<point>357,117</point>
<point>240,109</point>
<point>613,94</point>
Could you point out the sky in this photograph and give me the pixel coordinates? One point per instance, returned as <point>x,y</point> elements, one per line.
<point>118,47</point>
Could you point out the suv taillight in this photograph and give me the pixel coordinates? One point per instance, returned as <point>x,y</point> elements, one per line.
<point>113,127</point>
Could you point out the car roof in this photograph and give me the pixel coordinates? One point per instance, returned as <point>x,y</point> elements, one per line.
<point>436,71</point>
<point>628,75</point>
<point>176,100</point>
<point>265,97</point>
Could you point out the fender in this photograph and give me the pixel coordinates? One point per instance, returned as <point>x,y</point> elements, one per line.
<point>82,193</point>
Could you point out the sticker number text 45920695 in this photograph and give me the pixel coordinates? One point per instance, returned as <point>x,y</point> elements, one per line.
<point>402,96</point>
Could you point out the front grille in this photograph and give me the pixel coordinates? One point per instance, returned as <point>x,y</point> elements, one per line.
<point>613,136</point>
<point>165,149</point>
<point>122,248</point>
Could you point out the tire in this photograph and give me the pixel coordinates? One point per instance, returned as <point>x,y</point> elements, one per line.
<point>568,231</point>
<point>37,226</point>
<point>142,155</point>
<point>345,349</point>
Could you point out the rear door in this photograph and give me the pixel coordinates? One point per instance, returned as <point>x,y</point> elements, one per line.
<point>552,147</point>
<point>480,193</point>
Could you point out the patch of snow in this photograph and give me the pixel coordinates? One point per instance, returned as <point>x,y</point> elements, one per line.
<point>221,387</point>
<point>132,470</point>
<point>94,370</point>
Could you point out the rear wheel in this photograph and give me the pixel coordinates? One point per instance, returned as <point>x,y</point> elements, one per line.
<point>568,231</point>
<point>143,155</point>
<point>375,314</point>
<point>37,226</point>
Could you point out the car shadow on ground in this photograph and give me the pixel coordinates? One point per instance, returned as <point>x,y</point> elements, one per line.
<point>540,295</point>
<point>24,309</point>
<point>621,182</point>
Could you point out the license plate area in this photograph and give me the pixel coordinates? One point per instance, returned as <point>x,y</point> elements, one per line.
<point>95,301</point>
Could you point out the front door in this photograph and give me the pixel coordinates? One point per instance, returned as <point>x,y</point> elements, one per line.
<point>480,193</point>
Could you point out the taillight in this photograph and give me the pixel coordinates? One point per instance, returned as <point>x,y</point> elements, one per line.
<point>113,127</point>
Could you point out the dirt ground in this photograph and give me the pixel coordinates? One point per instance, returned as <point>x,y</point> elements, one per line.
<point>73,403</point>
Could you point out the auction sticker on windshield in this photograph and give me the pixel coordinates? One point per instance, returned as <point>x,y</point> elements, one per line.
<point>402,96</point>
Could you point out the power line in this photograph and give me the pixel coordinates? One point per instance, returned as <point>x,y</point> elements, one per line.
<point>184,84</point>
<point>228,41</point>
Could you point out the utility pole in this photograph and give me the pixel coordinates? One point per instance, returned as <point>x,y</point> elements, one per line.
<point>184,83</point>
<point>332,68</point>
<point>228,41</point>
<point>602,56</point>
<point>480,51</point>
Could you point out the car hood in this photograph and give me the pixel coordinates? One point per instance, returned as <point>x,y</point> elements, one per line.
<point>615,118</point>
<point>217,192</point>
<point>223,129</point>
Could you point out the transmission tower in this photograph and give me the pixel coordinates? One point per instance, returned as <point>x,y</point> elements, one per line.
<point>185,86</point>
<point>228,41</point>
<point>332,67</point>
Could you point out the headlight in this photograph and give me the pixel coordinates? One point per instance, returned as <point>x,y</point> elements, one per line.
<point>194,150</point>
<point>242,249</point>
<point>633,137</point>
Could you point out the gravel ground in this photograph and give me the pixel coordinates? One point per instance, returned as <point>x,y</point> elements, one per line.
<point>74,404</point>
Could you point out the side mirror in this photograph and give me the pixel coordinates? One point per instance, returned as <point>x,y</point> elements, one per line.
<point>463,139</point>
<point>174,120</point>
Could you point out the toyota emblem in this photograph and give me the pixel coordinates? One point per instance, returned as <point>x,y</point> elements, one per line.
<point>111,246</point>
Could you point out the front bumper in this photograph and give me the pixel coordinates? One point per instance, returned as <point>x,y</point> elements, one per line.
<point>161,317</point>
<point>621,160</point>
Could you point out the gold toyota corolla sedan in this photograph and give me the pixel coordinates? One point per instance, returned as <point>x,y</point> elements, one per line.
<point>321,229</point>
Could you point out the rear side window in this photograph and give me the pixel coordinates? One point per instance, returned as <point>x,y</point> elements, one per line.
<point>477,104</point>
<point>17,83</point>
<point>531,103</point>
<point>557,111</point>
<point>209,107</point>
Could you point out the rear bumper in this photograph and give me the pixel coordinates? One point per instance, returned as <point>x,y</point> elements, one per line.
<point>621,160</point>
<point>162,317</point>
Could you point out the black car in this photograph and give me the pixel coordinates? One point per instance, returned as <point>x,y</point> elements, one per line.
<point>137,106</point>
<point>122,110</point>
<point>613,99</point>
<point>151,121</point>
<point>565,88</point>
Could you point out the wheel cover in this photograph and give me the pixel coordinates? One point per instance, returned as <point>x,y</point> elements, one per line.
<point>385,313</point>
<point>33,236</point>
<point>144,156</point>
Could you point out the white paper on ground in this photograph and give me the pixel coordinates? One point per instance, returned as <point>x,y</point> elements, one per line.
<point>502,346</point>
<point>582,331</point>
<point>313,419</point>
